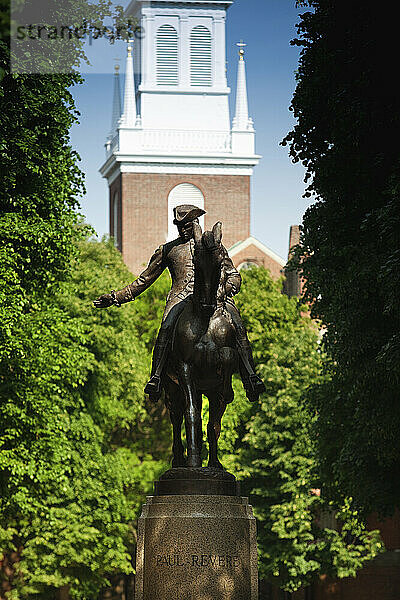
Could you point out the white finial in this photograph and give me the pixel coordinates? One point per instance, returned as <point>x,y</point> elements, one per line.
<point>241,45</point>
<point>129,117</point>
<point>242,122</point>
<point>116,112</point>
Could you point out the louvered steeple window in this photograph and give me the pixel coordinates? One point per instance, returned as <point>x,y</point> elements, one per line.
<point>200,56</point>
<point>167,55</point>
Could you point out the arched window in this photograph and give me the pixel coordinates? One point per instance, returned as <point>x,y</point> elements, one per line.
<point>184,193</point>
<point>200,56</point>
<point>167,55</point>
<point>248,264</point>
<point>115,222</point>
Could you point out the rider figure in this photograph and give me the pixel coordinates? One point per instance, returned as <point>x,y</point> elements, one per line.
<point>178,257</point>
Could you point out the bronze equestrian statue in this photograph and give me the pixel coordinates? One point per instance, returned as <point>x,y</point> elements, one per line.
<point>202,339</point>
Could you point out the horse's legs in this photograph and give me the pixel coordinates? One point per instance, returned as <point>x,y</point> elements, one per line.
<point>217,409</point>
<point>218,402</point>
<point>176,407</point>
<point>177,446</point>
<point>194,435</point>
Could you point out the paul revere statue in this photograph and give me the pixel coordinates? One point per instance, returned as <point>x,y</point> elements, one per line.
<point>177,256</point>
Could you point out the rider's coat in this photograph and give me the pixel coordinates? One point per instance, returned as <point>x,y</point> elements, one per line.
<point>177,256</point>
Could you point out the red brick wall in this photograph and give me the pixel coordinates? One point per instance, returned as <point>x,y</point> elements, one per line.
<point>372,583</point>
<point>389,529</point>
<point>116,187</point>
<point>145,207</point>
<point>294,283</point>
<point>379,580</point>
<point>294,237</point>
<point>254,255</point>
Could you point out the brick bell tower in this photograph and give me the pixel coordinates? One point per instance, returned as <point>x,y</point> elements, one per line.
<point>174,142</point>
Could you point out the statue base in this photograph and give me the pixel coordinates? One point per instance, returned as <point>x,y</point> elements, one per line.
<point>196,546</point>
<point>196,482</point>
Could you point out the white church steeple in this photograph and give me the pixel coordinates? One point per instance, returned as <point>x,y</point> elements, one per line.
<point>241,121</point>
<point>243,134</point>
<point>116,112</point>
<point>129,117</point>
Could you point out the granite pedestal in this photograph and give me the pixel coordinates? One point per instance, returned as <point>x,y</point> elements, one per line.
<point>196,546</point>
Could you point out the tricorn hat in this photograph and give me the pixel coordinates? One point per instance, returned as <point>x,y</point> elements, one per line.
<point>186,213</point>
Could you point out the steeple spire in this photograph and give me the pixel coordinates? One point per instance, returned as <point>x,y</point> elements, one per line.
<point>116,113</point>
<point>242,121</point>
<point>129,117</point>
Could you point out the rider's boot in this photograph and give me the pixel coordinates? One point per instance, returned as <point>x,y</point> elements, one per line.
<point>252,383</point>
<point>154,385</point>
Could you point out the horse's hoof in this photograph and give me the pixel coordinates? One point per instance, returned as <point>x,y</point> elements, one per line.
<point>215,464</point>
<point>179,462</point>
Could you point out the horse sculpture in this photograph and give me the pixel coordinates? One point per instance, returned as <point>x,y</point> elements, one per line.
<point>203,356</point>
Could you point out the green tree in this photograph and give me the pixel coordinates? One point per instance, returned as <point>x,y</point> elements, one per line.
<point>80,449</point>
<point>40,182</point>
<point>270,446</point>
<point>346,136</point>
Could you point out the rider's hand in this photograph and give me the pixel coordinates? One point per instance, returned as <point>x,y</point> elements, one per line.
<point>104,301</point>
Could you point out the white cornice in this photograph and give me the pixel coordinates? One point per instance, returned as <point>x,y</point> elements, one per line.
<point>111,170</point>
<point>134,3</point>
<point>186,169</point>
<point>167,163</point>
<point>198,91</point>
<point>113,175</point>
<point>223,159</point>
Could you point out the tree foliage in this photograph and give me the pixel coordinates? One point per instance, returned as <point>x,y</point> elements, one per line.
<point>79,450</point>
<point>346,136</point>
<point>270,445</point>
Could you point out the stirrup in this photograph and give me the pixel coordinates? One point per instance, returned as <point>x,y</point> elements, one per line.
<point>153,388</point>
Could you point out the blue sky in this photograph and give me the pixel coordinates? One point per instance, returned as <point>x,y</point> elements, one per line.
<point>267,26</point>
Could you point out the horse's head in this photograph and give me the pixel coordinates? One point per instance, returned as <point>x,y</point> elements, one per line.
<point>208,258</point>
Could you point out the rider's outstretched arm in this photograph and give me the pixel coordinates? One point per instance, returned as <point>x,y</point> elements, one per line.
<point>154,269</point>
<point>152,272</point>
